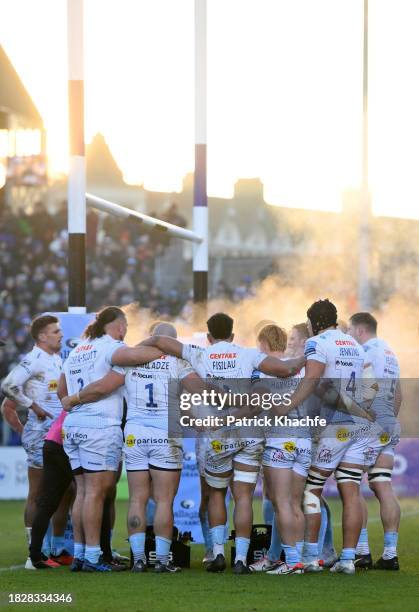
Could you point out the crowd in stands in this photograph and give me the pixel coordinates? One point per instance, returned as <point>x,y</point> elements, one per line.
<point>120,270</point>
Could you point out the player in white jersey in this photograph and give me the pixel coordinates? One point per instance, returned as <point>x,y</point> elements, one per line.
<point>335,356</point>
<point>286,461</point>
<point>380,451</point>
<point>228,456</point>
<point>33,384</point>
<point>153,458</point>
<point>93,436</point>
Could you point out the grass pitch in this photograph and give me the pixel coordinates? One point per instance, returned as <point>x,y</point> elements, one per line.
<point>196,590</point>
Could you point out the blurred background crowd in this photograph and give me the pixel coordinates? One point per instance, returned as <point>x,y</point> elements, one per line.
<point>120,270</point>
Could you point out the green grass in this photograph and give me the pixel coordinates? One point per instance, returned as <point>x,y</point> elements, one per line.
<point>195,590</point>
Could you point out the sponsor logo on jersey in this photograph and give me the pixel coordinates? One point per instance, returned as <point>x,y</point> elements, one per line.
<point>370,455</point>
<point>278,455</point>
<point>216,446</point>
<point>324,455</point>
<point>73,342</point>
<point>84,347</point>
<point>345,342</point>
<point>341,362</point>
<point>384,438</point>
<point>343,434</point>
<point>289,446</point>
<point>223,355</point>
<point>130,440</point>
<point>77,435</point>
<point>52,386</point>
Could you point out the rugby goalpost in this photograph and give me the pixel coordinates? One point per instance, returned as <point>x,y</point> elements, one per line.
<point>77,196</point>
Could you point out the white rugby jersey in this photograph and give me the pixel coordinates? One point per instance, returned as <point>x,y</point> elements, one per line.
<point>147,389</point>
<point>35,379</point>
<point>344,363</point>
<point>88,362</point>
<point>223,360</point>
<point>284,386</point>
<point>387,372</point>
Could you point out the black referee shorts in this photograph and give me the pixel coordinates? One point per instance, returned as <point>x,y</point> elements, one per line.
<point>57,476</point>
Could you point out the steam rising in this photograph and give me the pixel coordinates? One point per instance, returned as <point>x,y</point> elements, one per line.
<point>397,321</point>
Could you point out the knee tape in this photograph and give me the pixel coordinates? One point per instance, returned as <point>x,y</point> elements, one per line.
<point>344,474</point>
<point>217,482</point>
<point>241,476</point>
<point>377,474</point>
<point>311,503</point>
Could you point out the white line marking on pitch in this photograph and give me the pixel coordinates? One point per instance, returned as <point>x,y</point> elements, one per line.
<point>377,519</point>
<point>11,568</point>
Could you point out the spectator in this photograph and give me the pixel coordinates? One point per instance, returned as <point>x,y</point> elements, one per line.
<point>120,270</point>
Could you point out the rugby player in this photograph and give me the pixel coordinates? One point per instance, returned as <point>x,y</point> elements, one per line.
<point>296,340</point>
<point>33,384</point>
<point>228,458</point>
<point>380,452</point>
<point>93,435</point>
<point>286,461</point>
<point>292,351</point>
<point>331,354</point>
<point>152,457</point>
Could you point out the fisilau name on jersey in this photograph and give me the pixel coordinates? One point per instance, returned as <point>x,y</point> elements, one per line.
<point>223,361</point>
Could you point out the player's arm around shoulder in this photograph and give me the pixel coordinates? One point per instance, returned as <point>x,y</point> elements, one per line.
<point>276,367</point>
<point>95,391</point>
<point>166,344</point>
<point>127,356</point>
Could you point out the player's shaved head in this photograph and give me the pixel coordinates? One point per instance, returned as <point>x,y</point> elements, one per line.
<point>153,326</point>
<point>165,329</point>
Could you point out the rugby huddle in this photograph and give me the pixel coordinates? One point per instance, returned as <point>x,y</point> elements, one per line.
<point>77,432</point>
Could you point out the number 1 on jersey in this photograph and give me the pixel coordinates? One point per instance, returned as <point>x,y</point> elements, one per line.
<point>150,403</point>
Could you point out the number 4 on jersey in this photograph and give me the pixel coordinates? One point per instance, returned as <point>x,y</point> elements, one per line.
<point>351,386</point>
